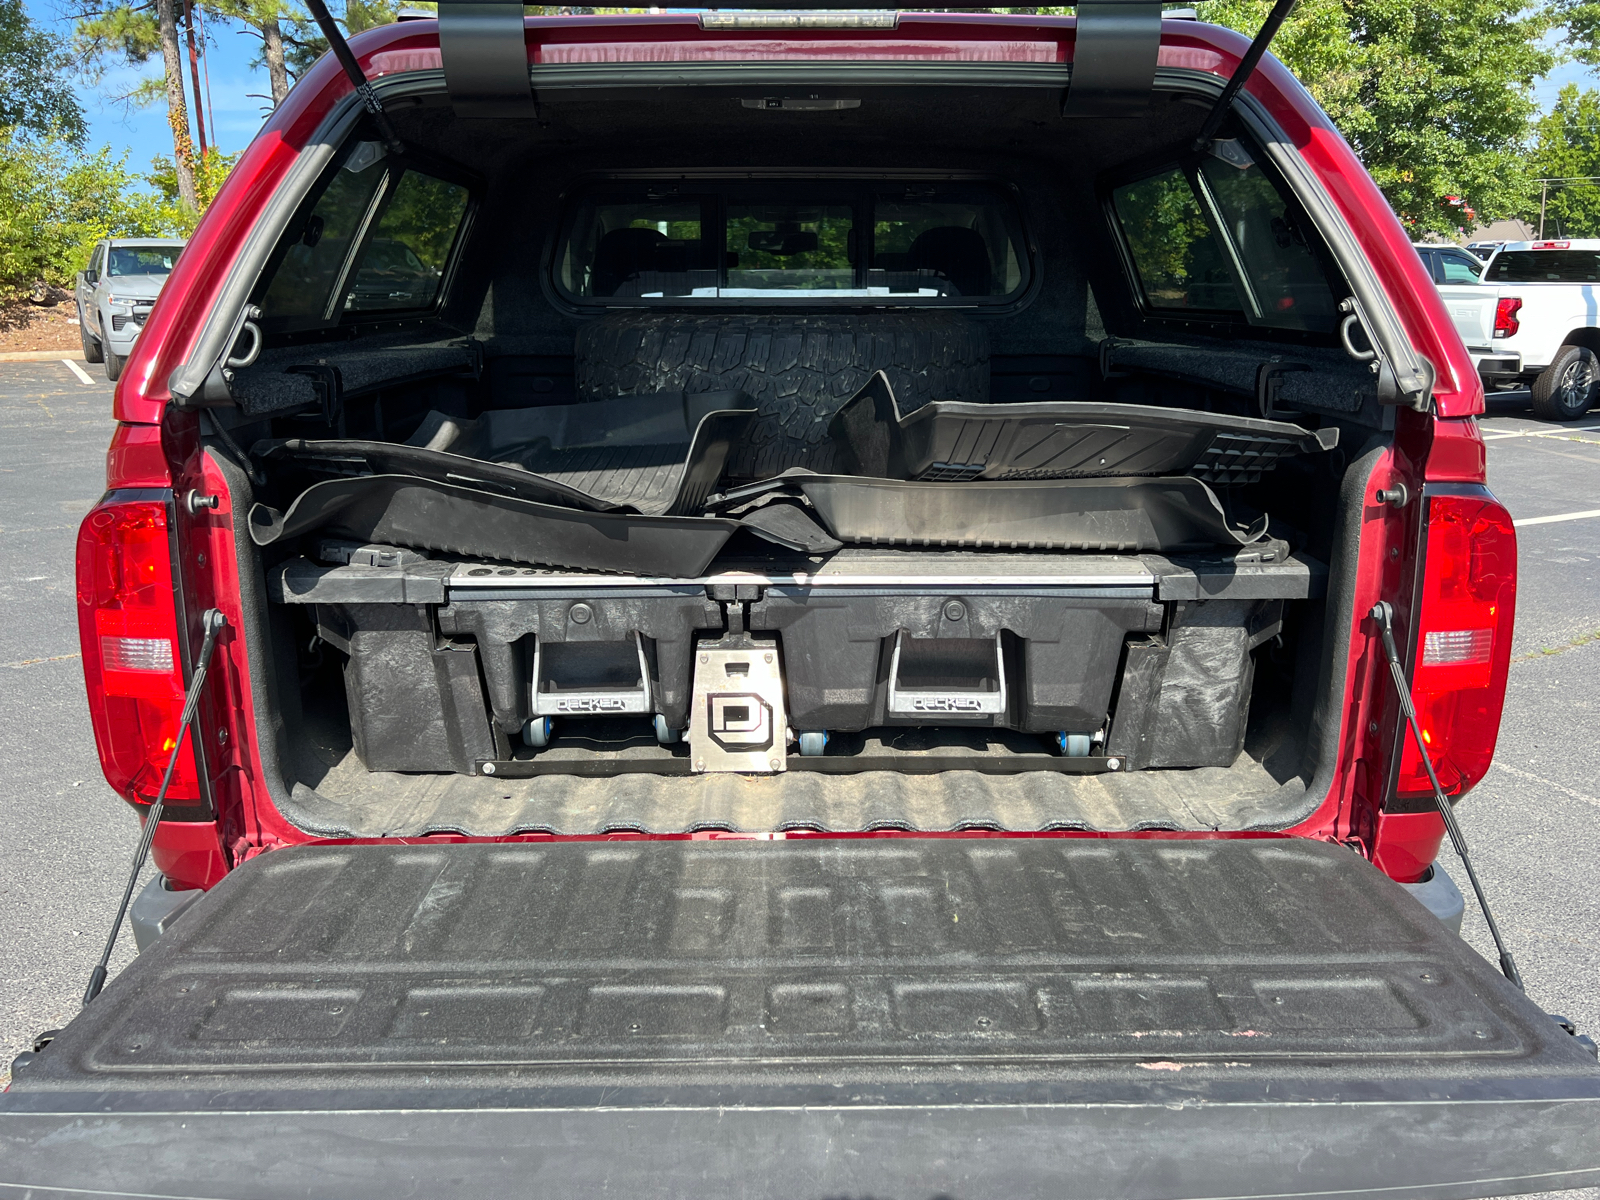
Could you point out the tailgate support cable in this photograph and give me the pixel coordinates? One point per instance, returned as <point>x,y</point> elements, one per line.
<point>347,60</point>
<point>213,623</point>
<point>1383,614</point>
<point>1241,75</point>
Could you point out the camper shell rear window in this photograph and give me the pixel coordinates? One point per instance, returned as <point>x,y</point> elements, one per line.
<point>792,241</point>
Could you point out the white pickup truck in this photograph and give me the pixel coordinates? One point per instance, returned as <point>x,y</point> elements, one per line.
<point>1474,308</point>
<point>1546,315</point>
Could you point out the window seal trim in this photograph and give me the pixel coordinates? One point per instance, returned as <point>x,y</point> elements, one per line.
<point>358,244</point>
<point>1219,228</point>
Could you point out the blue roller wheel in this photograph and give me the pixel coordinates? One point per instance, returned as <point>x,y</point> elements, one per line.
<point>1074,745</point>
<point>538,732</point>
<point>813,742</point>
<point>666,734</point>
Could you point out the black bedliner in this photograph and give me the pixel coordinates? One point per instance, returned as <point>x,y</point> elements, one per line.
<point>959,1017</point>
<point>428,514</point>
<point>1122,516</point>
<point>657,454</point>
<point>631,484</point>
<point>1056,439</point>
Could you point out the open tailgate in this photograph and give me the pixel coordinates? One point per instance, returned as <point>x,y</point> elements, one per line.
<point>905,1017</point>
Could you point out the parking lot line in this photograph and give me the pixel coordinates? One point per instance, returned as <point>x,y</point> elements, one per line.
<point>1561,431</point>
<point>83,376</point>
<point>1571,516</point>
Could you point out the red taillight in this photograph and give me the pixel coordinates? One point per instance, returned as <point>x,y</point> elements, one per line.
<point>1463,646</point>
<point>1505,317</point>
<point>128,627</point>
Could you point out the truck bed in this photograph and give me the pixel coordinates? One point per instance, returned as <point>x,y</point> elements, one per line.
<point>604,774</point>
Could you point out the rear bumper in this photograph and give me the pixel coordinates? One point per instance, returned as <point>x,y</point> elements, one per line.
<point>979,1017</point>
<point>1497,365</point>
<point>1438,893</point>
<point>1190,1135</point>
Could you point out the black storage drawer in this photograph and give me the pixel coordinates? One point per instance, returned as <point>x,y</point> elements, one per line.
<point>442,676</point>
<point>1057,649</point>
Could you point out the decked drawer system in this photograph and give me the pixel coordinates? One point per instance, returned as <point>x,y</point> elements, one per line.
<point>1117,661</point>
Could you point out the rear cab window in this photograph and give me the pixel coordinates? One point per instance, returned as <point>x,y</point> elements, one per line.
<point>806,241</point>
<point>1545,266</point>
<point>1215,238</point>
<point>378,239</point>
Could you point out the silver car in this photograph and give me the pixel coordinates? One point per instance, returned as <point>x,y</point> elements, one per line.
<point>115,293</point>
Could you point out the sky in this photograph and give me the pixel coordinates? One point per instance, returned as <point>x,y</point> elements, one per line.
<point>237,91</point>
<point>143,132</point>
<point>1546,90</point>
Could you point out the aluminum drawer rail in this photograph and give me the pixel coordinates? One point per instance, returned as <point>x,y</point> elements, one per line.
<point>1181,577</point>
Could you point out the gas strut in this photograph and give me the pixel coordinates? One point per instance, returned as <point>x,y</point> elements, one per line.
<point>213,622</point>
<point>1383,614</point>
<point>1241,75</point>
<point>347,60</point>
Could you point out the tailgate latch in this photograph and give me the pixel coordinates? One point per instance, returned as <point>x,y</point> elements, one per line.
<point>1584,1039</point>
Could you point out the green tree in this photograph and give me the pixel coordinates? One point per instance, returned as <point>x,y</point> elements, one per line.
<point>1567,147</point>
<point>209,175</point>
<point>303,40</point>
<point>59,201</point>
<point>35,91</point>
<point>1435,98</point>
<point>1580,20</point>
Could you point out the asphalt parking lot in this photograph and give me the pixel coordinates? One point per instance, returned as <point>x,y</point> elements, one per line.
<point>1534,823</point>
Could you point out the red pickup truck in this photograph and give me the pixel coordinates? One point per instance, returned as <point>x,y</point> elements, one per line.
<point>795,604</point>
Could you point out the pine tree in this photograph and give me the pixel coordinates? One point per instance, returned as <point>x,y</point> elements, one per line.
<point>131,32</point>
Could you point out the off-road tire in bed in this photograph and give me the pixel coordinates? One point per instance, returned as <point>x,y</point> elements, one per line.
<point>799,369</point>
